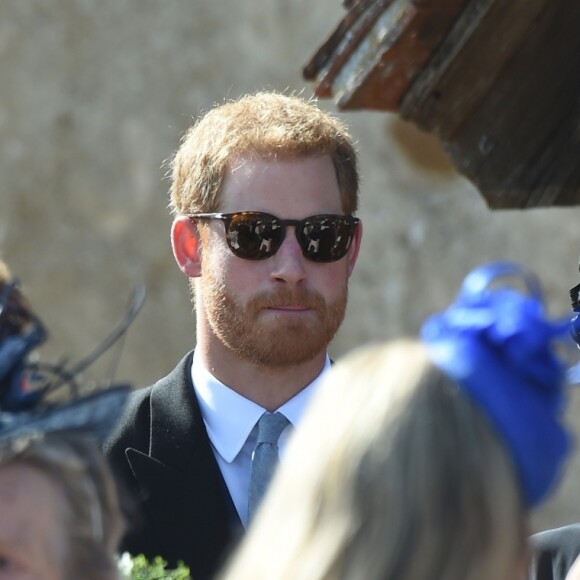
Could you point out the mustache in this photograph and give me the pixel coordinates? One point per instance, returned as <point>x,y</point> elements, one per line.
<point>297,297</point>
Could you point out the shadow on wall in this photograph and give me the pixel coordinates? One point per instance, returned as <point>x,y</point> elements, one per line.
<point>422,150</point>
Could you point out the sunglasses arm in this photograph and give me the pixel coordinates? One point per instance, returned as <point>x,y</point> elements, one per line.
<point>354,248</point>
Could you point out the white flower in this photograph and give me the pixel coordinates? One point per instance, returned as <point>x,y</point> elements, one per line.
<point>125,564</point>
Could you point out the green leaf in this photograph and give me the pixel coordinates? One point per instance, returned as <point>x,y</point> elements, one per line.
<point>139,568</point>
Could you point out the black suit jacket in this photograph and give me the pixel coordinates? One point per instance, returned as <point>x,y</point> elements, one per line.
<point>178,506</point>
<point>554,552</point>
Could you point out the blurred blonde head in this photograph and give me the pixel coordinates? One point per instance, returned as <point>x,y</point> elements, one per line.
<point>88,511</point>
<point>393,475</point>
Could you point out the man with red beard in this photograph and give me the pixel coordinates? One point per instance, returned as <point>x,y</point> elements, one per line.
<point>263,194</point>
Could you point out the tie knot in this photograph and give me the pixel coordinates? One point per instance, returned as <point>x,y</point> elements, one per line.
<point>270,426</point>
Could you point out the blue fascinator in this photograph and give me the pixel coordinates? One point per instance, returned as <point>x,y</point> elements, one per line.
<point>499,346</point>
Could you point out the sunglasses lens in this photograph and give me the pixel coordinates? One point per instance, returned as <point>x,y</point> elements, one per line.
<point>326,238</point>
<point>254,235</point>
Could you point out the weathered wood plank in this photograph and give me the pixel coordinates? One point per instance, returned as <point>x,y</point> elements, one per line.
<point>376,52</point>
<point>521,145</point>
<point>467,64</point>
<point>336,51</point>
<point>402,42</point>
<point>497,81</point>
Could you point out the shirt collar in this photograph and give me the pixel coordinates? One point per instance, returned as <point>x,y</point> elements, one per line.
<point>229,417</point>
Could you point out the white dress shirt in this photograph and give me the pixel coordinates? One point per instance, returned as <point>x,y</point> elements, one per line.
<point>231,419</point>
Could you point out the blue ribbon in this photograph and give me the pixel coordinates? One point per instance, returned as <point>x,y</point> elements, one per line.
<point>498,345</point>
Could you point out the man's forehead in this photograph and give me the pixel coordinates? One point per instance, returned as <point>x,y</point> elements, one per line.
<point>305,183</point>
<point>257,167</point>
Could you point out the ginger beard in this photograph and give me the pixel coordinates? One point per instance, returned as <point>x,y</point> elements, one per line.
<point>269,340</point>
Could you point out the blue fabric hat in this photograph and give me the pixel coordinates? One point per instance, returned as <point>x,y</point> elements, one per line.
<point>499,346</point>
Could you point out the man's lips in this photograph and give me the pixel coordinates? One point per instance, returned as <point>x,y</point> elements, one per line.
<point>290,308</point>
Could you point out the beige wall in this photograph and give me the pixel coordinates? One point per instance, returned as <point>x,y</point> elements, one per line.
<point>95,94</point>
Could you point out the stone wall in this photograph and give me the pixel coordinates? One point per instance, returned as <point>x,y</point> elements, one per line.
<point>95,95</point>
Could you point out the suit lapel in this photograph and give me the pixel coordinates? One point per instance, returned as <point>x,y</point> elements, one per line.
<point>180,481</point>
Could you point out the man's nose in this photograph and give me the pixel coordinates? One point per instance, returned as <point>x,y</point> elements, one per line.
<point>289,261</point>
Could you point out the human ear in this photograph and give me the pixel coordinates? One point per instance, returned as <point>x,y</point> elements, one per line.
<point>186,245</point>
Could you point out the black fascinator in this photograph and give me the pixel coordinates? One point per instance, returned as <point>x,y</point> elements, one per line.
<point>37,398</point>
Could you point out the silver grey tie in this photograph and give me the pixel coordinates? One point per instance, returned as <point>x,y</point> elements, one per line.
<point>265,457</point>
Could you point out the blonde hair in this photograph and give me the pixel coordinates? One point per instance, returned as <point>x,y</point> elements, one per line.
<point>5,274</point>
<point>92,518</point>
<point>16,313</point>
<point>265,124</point>
<point>393,475</point>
